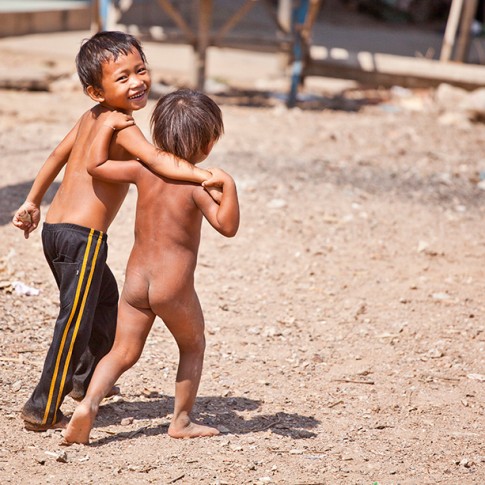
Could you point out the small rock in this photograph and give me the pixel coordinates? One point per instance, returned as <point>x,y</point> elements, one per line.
<point>476,377</point>
<point>422,246</point>
<point>276,204</point>
<point>16,386</point>
<point>434,354</point>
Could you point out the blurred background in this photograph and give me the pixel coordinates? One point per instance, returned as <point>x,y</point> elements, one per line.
<point>379,43</point>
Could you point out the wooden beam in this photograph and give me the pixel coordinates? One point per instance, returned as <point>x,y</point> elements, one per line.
<point>175,15</point>
<point>388,70</point>
<point>234,19</point>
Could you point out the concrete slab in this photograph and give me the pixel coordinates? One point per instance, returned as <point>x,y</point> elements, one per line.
<point>41,5</point>
<point>21,17</point>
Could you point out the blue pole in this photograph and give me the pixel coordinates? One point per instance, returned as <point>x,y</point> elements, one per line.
<point>298,17</point>
<point>103,13</point>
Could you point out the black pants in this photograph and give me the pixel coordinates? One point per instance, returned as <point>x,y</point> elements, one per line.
<point>85,328</point>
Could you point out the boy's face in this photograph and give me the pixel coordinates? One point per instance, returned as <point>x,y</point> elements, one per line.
<point>125,84</point>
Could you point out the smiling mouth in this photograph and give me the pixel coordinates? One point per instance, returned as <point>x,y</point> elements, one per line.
<point>138,95</point>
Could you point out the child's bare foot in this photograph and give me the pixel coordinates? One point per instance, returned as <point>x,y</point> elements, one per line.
<point>80,425</point>
<point>191,430</point>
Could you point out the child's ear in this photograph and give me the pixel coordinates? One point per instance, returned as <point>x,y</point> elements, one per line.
<point>95,94</point>
<point>208,148</point>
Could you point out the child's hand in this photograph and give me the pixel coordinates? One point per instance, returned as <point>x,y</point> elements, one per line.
<point>215,193</point>
<point>117,120</point>
<point>27,218</point>
<point>216,180</point>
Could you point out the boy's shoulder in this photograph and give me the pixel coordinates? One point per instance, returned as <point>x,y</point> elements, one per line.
<point>90,116</point>
<point>96,113</point>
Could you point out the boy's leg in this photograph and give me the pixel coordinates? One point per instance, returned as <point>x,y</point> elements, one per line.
<point>77,257</point>
<point>133,327</point>
<point>102,336</point>
<point>185,321</point>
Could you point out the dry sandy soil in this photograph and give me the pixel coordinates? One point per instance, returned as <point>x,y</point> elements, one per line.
<point>345,321</point>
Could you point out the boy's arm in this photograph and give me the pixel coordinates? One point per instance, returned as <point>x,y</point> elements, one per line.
<point>225,216</point>
<point>27,217</point>
<point>98,164</point>
<point>160,162</point>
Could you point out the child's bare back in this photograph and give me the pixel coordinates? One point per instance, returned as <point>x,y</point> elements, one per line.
<point>167,235</point>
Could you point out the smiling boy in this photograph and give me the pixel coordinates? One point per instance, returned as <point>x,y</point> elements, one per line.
<point>112,69</point>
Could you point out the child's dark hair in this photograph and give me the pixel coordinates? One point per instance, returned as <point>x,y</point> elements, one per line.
<point>185,121</point>
<point>100,48</point>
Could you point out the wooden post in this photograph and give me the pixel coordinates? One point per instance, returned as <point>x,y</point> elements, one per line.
<point>469,11</point>
<point>95,16</point>
<point>203,41</point>
<point>450,31</point>
<point>284,14</point>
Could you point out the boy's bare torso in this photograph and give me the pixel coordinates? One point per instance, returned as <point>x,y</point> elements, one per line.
<point>81,199</point>
<point>167,236</point>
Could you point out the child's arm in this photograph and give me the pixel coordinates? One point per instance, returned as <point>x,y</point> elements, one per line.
<point>163,163</point>
<point>223,217</point>
<point>98,164</point>
<point>27,217</point>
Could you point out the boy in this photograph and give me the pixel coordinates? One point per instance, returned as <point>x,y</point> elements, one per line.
<point>160,272</point>
<point>112,69</point>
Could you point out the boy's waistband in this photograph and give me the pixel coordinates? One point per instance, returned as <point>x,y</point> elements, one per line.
<point>66,226</point>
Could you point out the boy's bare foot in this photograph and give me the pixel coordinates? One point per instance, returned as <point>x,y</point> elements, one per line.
<point>79,426</point>
<point>192,430</point>
<point>39,427</point>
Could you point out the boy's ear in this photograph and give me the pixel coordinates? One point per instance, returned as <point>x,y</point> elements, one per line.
<point>95,94</point>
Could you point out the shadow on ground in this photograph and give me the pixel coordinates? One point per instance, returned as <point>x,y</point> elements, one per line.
<point>212,411</point>
<point>259,98</point>
<point>307,102</point>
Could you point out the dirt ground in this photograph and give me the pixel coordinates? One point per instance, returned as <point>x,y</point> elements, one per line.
<point>345,327</point>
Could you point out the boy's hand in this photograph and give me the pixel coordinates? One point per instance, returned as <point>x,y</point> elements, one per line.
<point>117,120</point>
<point>216,180</point>
<point>27,218</point>
<point>215,193</point>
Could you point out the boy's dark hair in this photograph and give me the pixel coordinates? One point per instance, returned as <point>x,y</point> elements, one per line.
<point>100,48</point>
<point>185,121</point>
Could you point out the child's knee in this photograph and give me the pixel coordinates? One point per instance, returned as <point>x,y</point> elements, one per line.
<point>194,345</point>
<point>126,357</point>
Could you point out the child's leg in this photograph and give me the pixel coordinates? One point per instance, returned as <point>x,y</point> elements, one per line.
<point>185,321</point>
<point>132,330</point>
